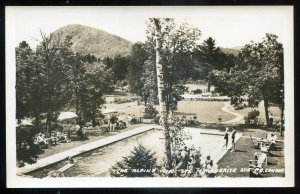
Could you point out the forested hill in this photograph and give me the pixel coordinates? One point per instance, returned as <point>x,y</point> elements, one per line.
<point>88,40</point>
<point>235,51</point>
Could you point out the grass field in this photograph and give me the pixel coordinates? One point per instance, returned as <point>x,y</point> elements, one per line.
<point>274,110</point>
<point>206,111</point>
<point>245,152</point>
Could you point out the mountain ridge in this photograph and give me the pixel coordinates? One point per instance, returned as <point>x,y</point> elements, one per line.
<point>94,41</point>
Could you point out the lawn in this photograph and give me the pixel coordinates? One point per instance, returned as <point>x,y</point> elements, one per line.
<point>274,110</point>
<point>245,151</point>
<point>206,111</point>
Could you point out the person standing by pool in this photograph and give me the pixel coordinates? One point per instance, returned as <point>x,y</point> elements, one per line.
<point>226,138</point>
<point>233,140</point>
<point>113,121</point>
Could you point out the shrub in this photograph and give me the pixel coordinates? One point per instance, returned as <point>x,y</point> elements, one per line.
<point>27,151</point>
<point>140,159</point>
<point>150,111</point>
<point>253,102</point>
<point>253,114</point>
<point>239,106</point>
<point>252,117</point>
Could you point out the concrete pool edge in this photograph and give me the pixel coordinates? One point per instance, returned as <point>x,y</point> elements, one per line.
<point>110,140</point>
<point>222,152</point>
<point>84,148</point>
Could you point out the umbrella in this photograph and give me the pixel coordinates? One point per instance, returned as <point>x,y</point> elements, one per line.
<point>66,115</point>
<point>25,122</point>
<point>109,110</point>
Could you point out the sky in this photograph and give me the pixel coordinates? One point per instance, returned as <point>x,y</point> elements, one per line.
<point>229,26</point>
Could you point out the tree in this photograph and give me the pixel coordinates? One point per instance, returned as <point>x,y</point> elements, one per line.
<point>140,163</point>
<point>119,66</point>
<point>25,61</point>
<point>53,57</point>
<point>258,73</point>
<point>177,44</point>
<point>75,74</point>
<point>136,67</point>
<point>96,82</point>
<point>160,85</point>
<point>208,53</point>
<point>173,46</point>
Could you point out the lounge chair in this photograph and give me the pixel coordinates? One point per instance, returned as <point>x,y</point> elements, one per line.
<point>261,160</point>
<point>255,143</point>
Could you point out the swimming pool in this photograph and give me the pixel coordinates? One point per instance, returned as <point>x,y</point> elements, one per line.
<point>96,163</point>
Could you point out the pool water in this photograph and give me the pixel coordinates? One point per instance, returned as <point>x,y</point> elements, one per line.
<point>97,163</point>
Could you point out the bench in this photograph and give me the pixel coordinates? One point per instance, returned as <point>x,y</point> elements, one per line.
<point>148,121</point>
<point>51,140</point>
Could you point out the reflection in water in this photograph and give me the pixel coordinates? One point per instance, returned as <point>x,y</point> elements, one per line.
<point>97,163</point>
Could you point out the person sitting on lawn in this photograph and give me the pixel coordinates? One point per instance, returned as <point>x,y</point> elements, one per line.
<point>79,132</point>
<point>184,158</point>
<point>208,162</point>
<point>84,135</point>
<point>62,137</point>
<point>176,163</point>
<point>212,170</point>
<point>129,118</point>
<point>41,140</point>
<point>198,151</point>
<point>121,124</point>
<point>191,165</point>
<point>271,138</point>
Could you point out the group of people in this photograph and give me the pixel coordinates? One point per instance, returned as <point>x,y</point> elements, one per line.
<point>44,139</point>
<point>226,138</point>
<point>81,131</point>
<point>187,162</point>
<point>186,159</point>
<point>132,119</point>
<point>114,122</point>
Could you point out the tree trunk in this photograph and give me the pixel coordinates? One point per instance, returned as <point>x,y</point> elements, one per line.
<point>94,113</point>
<point>266,104</point>
<point>208,85</point>
<point>37,121</point>
<point>48,122</point>
<point>160,85</point>
<point>281,116</point>
<point>77,104</point>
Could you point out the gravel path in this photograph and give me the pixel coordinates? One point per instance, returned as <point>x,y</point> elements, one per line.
<point>239,118</point>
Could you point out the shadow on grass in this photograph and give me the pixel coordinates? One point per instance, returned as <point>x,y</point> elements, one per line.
<point>277,149</point>
<point>240,151</point>
<point>271,164</point>
<point>275,155</point>
<point>79,139</point>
